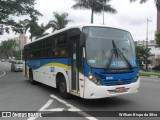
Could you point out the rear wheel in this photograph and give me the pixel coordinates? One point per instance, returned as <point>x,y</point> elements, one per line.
<point>63,88</point>
<point>13,69</point>
<point>31,77</point>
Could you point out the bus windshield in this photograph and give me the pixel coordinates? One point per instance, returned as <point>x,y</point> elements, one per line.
<point>100,50</point>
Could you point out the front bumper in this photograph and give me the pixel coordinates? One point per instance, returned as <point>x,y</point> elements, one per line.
<point>92,91</point>
<point>18,69</point>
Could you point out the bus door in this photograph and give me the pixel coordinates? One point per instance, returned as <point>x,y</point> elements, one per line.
<point>74,44</point>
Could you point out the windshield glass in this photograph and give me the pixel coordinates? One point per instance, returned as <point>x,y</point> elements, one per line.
<point>99,47</point>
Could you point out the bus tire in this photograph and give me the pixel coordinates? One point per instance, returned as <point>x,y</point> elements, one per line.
<point>63,88</point>
<point>31,77</point>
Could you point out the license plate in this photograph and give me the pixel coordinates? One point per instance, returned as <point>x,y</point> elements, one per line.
<point>120,89</point>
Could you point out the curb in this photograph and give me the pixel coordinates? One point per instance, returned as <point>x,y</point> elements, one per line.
<point>4,73</point>
<point>1,72</point>
<point>152,76</point>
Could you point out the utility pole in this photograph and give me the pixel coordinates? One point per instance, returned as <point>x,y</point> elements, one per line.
<point>147,43</point>
<point>103,4</point>
<point>21,40</point>
<point>103,12</point>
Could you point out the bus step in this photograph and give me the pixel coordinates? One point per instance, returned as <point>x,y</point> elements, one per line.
<point>75,93</point>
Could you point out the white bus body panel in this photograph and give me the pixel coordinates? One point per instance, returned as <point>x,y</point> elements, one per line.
<point>43,75</point>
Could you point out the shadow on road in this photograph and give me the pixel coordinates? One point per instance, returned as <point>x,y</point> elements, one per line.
<point>90,104</point>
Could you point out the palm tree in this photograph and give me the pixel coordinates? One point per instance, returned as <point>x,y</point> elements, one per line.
<point>94,5</point>
<point>36,30</point>
<point>60,21</point>
<point>30,25</point>
<point>157,2</point>
<point>21,27</point>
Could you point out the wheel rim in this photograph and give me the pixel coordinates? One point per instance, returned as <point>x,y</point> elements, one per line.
<point>62,87</point>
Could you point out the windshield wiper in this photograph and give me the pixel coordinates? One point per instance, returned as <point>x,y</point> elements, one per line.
<point>117,53</point>
<point>110,60</point>
<point>129,64</point>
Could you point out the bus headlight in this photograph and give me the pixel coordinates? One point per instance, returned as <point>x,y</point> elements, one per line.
<point>137,77</point>
<point>93,79</point>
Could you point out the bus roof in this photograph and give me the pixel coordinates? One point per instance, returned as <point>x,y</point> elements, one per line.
<point>80,26</point>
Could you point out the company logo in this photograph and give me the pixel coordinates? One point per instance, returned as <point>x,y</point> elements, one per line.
<point>6,114</point>
<point>51,69</point>
<point>109,78</point>
<point>120,82</point>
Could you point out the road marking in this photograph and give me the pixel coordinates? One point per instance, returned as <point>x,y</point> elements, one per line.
<point>4,73</point>
<point>73,108</point>
<point>46,105</point>
<point>54,110</point>
<point>43,108</point>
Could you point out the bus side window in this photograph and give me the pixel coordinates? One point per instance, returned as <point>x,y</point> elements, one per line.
<point>61,45</point>
<point>31,51</point>
<point>38,49</point>
<point>47,47</point>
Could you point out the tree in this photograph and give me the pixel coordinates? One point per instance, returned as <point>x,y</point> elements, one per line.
<point>8,47</point>
<point>94,5</point>
<point>143,54</point>
<point>13,8</point>
<point>37,31</point>
<point>157,38</point>
<point>60,21</point>
<point>30,25</point>
<point>21,27</point>
<point>17,54</point>
<point>157,2</point>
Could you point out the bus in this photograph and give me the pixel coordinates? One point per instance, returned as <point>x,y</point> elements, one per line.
<point>89,61</point>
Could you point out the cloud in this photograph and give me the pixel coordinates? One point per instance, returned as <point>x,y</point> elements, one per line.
<point>130,16</point>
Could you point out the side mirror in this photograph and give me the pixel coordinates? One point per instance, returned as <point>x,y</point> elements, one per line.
<point>82,39</point>
<point>81,62</point>
<point>31,56</point>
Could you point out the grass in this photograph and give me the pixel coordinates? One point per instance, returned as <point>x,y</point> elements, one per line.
<point>155,71</point>
<point>149,73</point>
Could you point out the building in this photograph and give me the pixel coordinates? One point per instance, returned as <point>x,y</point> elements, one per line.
<point>20,40</point>
<point>154,58</point>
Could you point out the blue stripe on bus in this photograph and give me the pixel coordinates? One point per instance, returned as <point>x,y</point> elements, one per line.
<point>37,63</point>
<point>109,79</point>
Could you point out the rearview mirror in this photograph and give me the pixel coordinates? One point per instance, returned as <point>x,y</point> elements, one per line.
<point>82,39</point>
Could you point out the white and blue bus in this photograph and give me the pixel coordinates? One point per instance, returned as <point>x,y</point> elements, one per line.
<point>88,61</point>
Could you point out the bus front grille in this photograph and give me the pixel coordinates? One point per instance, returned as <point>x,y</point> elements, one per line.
<point>116,82</point>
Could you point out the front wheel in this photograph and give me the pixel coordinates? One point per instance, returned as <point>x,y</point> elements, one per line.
<point>63,89</point>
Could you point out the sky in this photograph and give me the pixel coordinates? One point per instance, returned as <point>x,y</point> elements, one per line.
<point>130,16</point>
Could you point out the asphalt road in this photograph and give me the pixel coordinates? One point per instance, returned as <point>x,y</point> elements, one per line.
<point>17,94</point>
